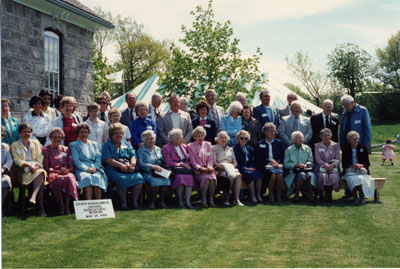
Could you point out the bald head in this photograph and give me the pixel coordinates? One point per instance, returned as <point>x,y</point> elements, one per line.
<point>291,97</point>
<point>327,107</point>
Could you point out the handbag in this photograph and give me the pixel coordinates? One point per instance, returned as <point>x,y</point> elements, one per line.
<point>124,162</point>
<point>182,171</point>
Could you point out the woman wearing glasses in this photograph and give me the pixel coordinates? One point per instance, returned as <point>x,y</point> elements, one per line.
<point>245,158</point>
<point>232,122</point>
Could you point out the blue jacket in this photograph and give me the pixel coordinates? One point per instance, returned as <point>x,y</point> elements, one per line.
<point>11,135</point>
<point>231,126</point>
<point>241,158</point>
<point>138,126</point>
<point>262,152</point>
<point>261,115</point>
<point>360,122</point>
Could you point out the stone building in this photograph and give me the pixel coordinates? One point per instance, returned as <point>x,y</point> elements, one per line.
<point>47,44</point>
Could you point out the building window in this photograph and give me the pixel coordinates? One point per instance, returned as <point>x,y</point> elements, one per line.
<point>52,62</point>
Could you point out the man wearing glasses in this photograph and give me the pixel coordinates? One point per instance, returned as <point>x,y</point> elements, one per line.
<point>291,97</point>
<point>103,112</point>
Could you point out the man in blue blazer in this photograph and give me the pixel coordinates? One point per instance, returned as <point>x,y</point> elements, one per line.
<point>128,115</point>
<point>265,113</point>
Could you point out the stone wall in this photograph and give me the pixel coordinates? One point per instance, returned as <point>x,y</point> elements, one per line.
<point>22,57</point>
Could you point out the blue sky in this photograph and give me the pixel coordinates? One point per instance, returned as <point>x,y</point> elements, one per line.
<point>279,28</point>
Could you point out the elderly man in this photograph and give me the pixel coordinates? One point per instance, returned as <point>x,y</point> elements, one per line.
<point>129,114</point>
<point>184,107</point>
<point>241,97</point>
<point>154,107</point>
<point>322,120</point>
<point>294,122</point>
<point>291,97</point>
<point>216,112</point>
<point>174,118</point>
<point>265,113</point>
<point>354,118</point>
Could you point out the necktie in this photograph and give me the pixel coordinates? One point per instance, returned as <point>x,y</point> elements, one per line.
<point>327,122</point>
<point>102,116</point>
<point>203,122</point>
<point>131,115</point>
<point>296,123</point>
<point>214,114</point>
<point>268,110</point>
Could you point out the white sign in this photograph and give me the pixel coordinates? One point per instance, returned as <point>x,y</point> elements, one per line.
<point>94,209</point>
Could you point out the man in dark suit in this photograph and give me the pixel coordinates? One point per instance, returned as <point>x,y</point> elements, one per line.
<point>128,115</point>
<point>291,97</point>
<point>265,113</point>
<point>322,120</point>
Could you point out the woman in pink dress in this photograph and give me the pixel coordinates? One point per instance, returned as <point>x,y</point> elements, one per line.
<point>327,159</point>
<point>388,152</point>
<point>176,156</point>
<point>59,167</point>
<point>201,159</point>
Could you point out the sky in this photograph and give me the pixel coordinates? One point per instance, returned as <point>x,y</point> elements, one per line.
<point>280,28</point>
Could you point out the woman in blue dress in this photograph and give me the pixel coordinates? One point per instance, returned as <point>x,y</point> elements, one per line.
<point>87,162</point>
<point>150,159</point>
<point>119,159</point>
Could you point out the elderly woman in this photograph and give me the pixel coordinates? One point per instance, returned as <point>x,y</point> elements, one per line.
<point>327,160</point>
<point>27,154</point>
<point>151,161</point>
<point>67,121</point>
<point>119,158</point>
<point>232,122</point>
<point>115,115</point>
<point>245,157</point>
<point>270,154</point>
<point>10,124</point>
<point>141,124</point>
<point>176,156</point>
<point>87,161</point>
<point>225,163</point>
<point>59,167</point>
<point>184,107</point>
<point>299,161</point>
<point>6,164</point>
<point>97,126</point>
<point>241,97</point>
<point>40,122</point>
<point>201,159</point>
<point>356,164</point>
<point>251,125</point>
<point>202,109</point>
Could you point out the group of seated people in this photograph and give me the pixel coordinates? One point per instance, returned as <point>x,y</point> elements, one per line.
<point>70,154</point>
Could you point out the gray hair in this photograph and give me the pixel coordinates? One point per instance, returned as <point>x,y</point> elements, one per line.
<point>210,91</point>
<point>346,99</point>
<point>325,130</point>
<point>327,101</point>
<point>242,132</point>
<point>296,134</point>
<point>234,106</point>
<point>184,100</point>
<point>267,127</point>
<point>81,126</point>
<point>262,93</point>
<point>295,103</point>
<point>240,94</point>
<point>220,134</point>
<point>199,130</point>
<point>352,134</point>
<point>139,105</point>
<point>174,134</point>
<point>156,95</point>
<point>146,134</point>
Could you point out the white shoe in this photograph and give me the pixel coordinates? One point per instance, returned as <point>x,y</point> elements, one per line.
<point>238,203</point>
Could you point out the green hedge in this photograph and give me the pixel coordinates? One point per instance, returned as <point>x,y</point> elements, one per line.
<point>383,107</point>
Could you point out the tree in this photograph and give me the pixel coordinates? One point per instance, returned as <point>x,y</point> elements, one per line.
<point>388,67</point>
<point>103,37</point>
<point>350,66</point>
<point>140,55</point>
<point>301,67</point>
<point>211,59</point>
<point>296,89</point>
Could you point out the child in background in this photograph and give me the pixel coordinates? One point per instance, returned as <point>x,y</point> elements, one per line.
<point>388,152</point>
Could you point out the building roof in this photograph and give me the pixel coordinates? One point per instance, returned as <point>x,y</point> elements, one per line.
<point>82,7</point>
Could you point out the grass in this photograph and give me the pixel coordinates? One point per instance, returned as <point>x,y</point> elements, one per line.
<point>287,235</point>
<point>381,132</point>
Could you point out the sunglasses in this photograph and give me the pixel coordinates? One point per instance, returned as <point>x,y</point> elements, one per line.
<point>102,103</point>
<point>243,138</point>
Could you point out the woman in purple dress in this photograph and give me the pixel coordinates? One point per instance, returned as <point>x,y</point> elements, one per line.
<point>176,156</point>
<point>201,159</point>
<point>59,167</point>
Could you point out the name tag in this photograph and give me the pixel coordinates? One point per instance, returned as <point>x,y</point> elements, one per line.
<point>208,153</point>
<point>263,146</point>
<point>19,151</point>
<point>63,154</point>
<point>357,121</point>
<point>73,124</point>
<point>124,147</point>
<point>361,150</point>
<point>321,150</point>
<point>207,125</point>
<point>149,127</point>
<point>264,115</point>
<point>333,122</point>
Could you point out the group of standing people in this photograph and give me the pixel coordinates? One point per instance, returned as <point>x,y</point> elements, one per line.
<point>204,149</point>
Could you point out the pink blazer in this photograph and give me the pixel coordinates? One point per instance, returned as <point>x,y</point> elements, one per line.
<point>324,155</point>
<point>201,155</point>
<point>171,156</point>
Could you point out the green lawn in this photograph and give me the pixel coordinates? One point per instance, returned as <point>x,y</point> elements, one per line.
<point>381,132</point>
<point>287,235</point>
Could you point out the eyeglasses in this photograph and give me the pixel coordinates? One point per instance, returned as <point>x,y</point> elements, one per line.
<point>102,103</point>
<point>243,138</point>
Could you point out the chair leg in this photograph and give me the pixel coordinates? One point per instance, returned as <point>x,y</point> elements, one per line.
<point>21,198</point>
